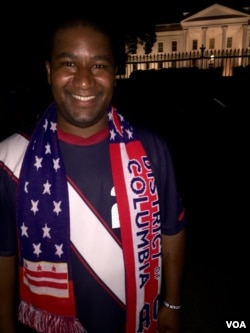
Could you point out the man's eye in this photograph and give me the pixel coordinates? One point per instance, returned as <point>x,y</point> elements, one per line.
<point>99,66</point>
<point>68,64</point>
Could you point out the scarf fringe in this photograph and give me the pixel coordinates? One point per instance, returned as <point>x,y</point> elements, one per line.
<point>46,322</point>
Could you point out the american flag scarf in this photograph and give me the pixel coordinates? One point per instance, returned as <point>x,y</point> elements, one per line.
<point>46,285</point>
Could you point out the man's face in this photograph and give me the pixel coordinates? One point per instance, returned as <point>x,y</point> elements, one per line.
<point>82,77</point>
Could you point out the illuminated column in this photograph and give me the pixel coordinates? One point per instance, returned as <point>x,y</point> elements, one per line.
<point>244,36</point>
<point>224,37</point>
<point>185,31</point>
<point>204,36</point>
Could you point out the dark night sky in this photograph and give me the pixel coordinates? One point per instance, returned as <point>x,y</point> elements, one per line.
<point>22,15</point>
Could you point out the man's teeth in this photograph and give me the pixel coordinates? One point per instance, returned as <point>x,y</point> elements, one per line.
<point>81,98</point>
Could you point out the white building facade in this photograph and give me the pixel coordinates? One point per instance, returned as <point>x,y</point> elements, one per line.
<point>198,40</point>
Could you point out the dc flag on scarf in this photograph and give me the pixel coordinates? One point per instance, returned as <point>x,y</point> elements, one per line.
<point>46,278</point>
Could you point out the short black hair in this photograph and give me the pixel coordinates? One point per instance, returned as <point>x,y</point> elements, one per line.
<point>96,22</point>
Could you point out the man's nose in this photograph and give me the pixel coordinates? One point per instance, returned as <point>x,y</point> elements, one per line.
<point>84,78</point>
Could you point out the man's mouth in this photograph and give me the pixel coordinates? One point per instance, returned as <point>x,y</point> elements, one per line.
<point>83,98</point>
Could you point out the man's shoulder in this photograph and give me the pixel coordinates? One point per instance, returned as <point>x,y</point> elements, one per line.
<point>12,150</point>
<point>13,142</point>
<point>155,146</point>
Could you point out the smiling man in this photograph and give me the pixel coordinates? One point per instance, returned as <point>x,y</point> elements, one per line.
<point>89,206</point>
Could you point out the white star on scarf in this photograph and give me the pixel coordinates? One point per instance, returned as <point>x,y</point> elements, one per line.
<point>45,126</point>
<point>59,250</point>
<point>46,187</point>
<point>24,230</point>
<point>53,127</point>
<point>110,115</point>
<point>112,134</point>
<point>26,187</point>
<point>57,208</point>
<point>121,117</point>
<point>46,231</point>
<point>37,249</point>
<point>34,207</point>
<point>56,164</point>
<point>38,163</point>
<point>34,145</point>
<point>130,133</point>
<point>47,149</point>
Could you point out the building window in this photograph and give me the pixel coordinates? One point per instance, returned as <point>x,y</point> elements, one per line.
<point>194,44</point>
<point>147,65</point>
<point>174,45</point>
<point>134,67</point>
<point>160,47</point>
<point>229,42</point>
<point>211,43</point>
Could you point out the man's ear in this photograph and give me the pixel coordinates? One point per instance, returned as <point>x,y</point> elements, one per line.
<point>47,65</point>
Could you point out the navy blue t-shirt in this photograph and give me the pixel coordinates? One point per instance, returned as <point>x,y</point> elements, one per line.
<point>88,166</point>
